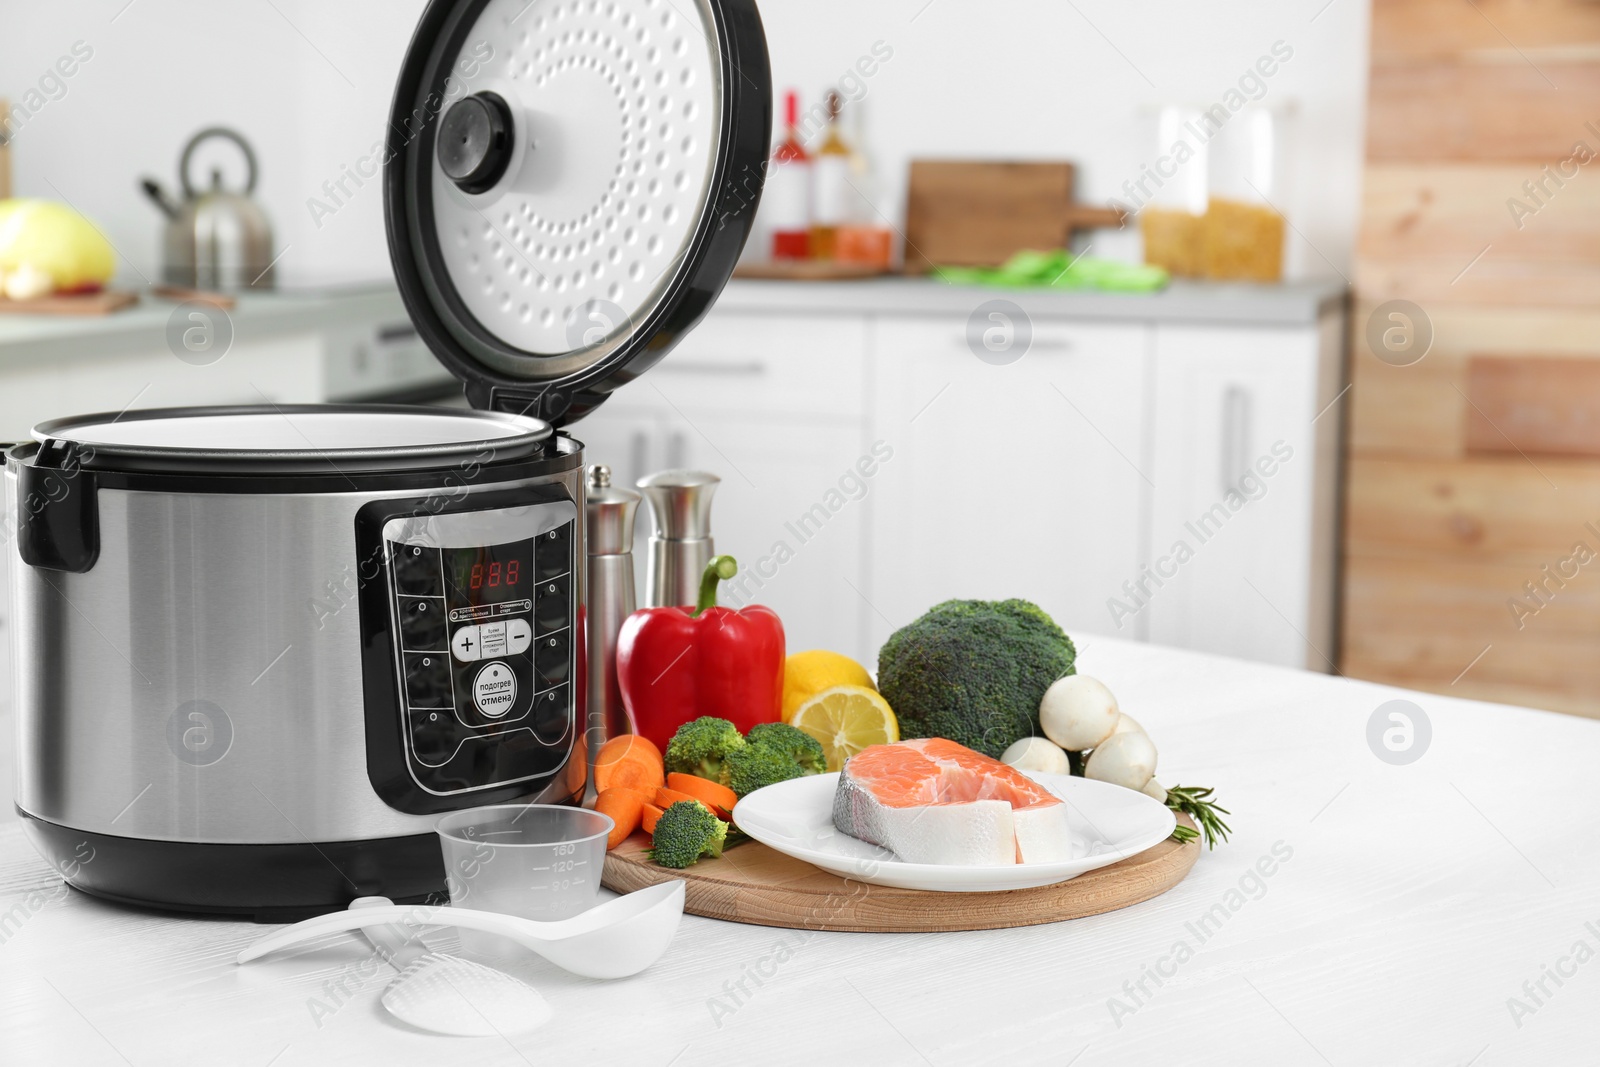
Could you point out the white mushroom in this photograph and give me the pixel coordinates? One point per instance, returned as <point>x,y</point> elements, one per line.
<point>1036,754</point>
<point>1127,725</point>
<point>1078,712</point>
<point>1125,759</point>
<point>1155,790</point>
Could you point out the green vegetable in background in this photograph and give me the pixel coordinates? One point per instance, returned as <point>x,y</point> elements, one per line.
<point>699,747</point>
<point>973,671</point>
<point>1059,269</point>
<point>795,744</point>
<point>685,832</point>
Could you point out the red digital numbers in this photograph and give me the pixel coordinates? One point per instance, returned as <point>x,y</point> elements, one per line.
<point>494,574</point>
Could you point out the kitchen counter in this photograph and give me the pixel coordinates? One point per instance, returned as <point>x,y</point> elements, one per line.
<point>1292,304</point>
<point>27,341</point>
<point>1362,913</point>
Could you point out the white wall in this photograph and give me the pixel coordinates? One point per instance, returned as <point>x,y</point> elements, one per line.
<point>307,81</point>
<point>981,78</point>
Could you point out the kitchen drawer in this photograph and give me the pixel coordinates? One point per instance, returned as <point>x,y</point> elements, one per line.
<point>811,365</point>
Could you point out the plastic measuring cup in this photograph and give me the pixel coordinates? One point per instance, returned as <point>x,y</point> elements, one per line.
<point>535,861</point>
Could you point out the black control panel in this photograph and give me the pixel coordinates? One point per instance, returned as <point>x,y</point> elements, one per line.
<point>484,637</point>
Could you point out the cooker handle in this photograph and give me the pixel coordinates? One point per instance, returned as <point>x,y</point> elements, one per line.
<point>58,514</point>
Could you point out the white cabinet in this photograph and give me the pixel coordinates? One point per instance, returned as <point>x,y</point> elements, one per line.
<point>1023,480</point>
<point>873,466</point>
<point>1242,528</point>
<point>773,405</point>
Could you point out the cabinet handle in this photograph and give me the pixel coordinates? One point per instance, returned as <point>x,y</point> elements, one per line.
<point>1036,344</point>
<point>1235,435</point>
<point>705,366</point>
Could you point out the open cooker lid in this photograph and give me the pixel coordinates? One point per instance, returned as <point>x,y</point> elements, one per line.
<point>290,438</point>
<point>568,185</point>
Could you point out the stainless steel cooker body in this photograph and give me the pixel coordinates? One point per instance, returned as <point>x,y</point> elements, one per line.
<point>240,705</point>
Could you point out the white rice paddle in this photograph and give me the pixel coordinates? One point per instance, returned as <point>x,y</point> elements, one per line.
<point>447,994</point>
<point>612,940</point>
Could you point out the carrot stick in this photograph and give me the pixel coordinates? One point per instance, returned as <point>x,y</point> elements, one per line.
<point>648,817</point>
<point>629,761</point>
<point>626,808</point>
<point>714,794</point>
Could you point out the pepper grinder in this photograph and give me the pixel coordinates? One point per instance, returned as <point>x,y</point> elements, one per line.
<point>610,513</point>
<point>680,544</point>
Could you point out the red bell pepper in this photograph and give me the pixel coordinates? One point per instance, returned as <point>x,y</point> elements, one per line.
<point>675,664</point>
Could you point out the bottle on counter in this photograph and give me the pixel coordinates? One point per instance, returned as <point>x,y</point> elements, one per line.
<point>832,190</point>
<point>680,543</point>
<point>786,199</point>
<point>611,599</point>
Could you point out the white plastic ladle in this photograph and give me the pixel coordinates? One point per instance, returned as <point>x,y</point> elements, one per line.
<point>612,940</point>
<point>447,994</point>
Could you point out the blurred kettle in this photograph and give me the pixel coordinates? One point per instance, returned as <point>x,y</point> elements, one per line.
<point>215,239</point>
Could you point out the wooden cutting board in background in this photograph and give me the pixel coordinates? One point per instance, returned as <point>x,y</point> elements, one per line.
<point>977,214</point>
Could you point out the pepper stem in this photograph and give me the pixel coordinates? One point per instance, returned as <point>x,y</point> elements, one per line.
<point>719,569</point>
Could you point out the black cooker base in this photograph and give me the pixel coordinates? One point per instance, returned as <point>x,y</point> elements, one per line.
<point>263,883</point>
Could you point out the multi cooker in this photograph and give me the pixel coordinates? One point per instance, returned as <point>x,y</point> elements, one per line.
<point>260,649</point>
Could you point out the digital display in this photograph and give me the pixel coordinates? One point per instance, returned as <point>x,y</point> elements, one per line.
<point>489,575</point>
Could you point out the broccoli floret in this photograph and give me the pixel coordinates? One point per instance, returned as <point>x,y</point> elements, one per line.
<point>973,671</point>
<point>685,832</point>
<point>796,744</point>
<point>699,747</point>
<point>755,766</point>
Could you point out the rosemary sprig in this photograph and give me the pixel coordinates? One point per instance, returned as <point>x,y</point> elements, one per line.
<point>1196,802</point>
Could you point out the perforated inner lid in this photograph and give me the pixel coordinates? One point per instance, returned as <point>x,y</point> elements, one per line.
<point>570,184</point>
<point>615,106</point>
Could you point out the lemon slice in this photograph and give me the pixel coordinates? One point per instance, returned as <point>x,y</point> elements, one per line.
<point>846,719</point>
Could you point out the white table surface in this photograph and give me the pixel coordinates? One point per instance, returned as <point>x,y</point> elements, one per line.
<point>1416,902</point>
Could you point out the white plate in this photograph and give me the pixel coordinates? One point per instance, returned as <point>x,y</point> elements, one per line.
<point>1107,823</point>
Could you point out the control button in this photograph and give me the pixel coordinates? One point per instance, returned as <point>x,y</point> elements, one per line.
<point>416,570</point>
<point>467,645</point>
<point>552,603</point>
<point>493,636</point>
<point>552,552</point>
<point>422,625</point>
<point>551,655</point>
<point>495,690</point>
<point>519,635</point>
<point>428,680</point>
<point>552,715</point>
<point>434,736</point>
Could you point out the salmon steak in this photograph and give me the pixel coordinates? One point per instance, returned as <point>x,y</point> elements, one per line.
<point>934,801</point>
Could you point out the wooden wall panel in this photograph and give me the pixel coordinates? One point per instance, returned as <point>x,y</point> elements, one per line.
<point>1501,510</point>
<point>1421,410</point>
<point>1506,107</point>
<point>1420,622</point>
<point>1446,234</point>
<point>1420,30</point>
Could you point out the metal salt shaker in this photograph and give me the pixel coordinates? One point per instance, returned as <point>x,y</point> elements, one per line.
<point>611,600</point>
<point>680,545</point>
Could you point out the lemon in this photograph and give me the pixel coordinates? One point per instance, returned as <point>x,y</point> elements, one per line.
<point>805,674</point>
<point>846,719</point>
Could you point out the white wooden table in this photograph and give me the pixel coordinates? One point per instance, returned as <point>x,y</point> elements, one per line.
<point>1406,908</point>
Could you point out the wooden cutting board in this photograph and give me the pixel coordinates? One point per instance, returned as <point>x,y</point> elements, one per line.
<point>754,884</point>
<point>102,303</point>
<point>977,214</point>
